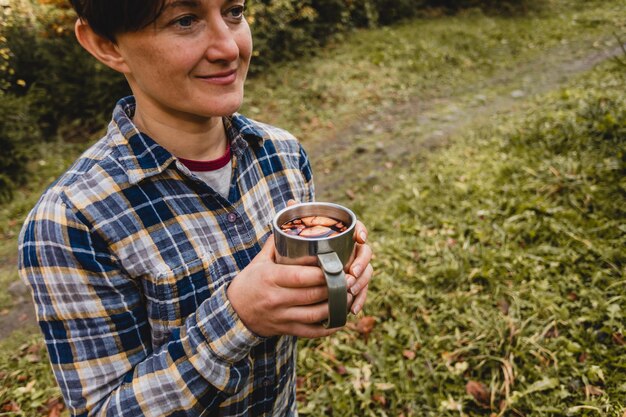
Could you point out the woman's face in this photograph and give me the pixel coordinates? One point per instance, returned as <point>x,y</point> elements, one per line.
<point>192,62</point>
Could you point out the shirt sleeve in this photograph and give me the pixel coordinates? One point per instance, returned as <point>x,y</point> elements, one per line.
<point>307,175</point>
<point>96,329</point>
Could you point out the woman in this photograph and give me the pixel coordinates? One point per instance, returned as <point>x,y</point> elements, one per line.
<point>150,259</point>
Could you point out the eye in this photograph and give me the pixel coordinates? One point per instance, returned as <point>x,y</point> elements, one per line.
<point>236,12</point>
<point>185,21</point>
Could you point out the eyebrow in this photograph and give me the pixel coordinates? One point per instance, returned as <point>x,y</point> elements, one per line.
<point>181,3</point>
<point>187,3</point>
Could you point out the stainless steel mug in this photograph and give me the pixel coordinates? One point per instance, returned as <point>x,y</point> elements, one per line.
<point>333,253</point>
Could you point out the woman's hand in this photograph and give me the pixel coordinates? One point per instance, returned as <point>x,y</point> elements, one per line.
<point>273,299</point>
<point>360,271</point>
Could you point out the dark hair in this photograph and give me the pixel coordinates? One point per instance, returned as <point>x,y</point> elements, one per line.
<point>110,17</point>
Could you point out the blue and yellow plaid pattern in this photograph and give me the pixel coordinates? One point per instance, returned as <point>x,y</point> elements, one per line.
<point>129,255</point>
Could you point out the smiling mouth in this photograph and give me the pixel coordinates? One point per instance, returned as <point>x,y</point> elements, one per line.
<point>221,78</point>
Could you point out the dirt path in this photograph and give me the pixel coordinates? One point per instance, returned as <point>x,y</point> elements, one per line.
<point>405,132</point>
<point>374,144</point>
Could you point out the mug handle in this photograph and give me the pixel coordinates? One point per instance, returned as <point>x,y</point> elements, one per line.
<point>337,289</point>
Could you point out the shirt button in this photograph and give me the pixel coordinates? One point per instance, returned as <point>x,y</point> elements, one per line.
<point>267,382</point>
<point>232,217</point>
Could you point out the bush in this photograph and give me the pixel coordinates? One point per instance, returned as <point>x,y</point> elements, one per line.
<point>45,62</point>
<point>18,131</point>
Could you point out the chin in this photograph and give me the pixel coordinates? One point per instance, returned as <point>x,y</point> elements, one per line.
<point>219,104</point>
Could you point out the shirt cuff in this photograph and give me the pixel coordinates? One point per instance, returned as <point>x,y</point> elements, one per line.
<point>227,337</point>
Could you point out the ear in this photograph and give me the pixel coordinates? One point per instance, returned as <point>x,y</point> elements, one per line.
<point>105,50</point>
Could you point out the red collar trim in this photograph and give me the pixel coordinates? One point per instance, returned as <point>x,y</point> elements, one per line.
<point>212,165</point>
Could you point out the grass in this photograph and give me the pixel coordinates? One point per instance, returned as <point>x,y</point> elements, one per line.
<point>27,385</point>
<point>498,258</point>
<point>434,57</point>
<point>500,265</point>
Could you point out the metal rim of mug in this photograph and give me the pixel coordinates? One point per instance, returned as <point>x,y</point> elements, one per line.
<point>276,226</point>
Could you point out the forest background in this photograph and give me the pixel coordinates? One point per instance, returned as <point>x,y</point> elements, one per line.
<point>482,142</point>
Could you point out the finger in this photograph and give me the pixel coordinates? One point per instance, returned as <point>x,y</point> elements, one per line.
<point>311,331</point>
<point>363,256</point>
<point>360,232</point>
<point>313,314</point>
<point>363,280</point>
<point>304,260</point>
<point>359,301</point>
<point>291,202</point>
<point>298,276</point>
<point>298,297</point>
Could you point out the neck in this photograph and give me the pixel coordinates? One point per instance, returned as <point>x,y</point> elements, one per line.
<point>185,137</point>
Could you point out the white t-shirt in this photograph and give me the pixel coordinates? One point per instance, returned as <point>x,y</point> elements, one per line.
<point>216,172</point>
<point>218,179</point>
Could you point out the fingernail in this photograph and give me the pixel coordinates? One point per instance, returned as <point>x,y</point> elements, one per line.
<point>363,236</point>
<point>350,282</point>
<point>356,308</point>
<point>356,270</point>
<point>354,289</point>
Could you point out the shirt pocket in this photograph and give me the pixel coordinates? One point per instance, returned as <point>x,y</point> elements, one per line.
<point>179,291</point>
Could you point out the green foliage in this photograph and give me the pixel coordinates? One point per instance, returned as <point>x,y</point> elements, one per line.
<point>285,29</point>
<point>46,82</point>
<point>18,131</point>
<point>63,83</point>
<point>27,386</point>
<point>500,265</point>
<point>494,6</point>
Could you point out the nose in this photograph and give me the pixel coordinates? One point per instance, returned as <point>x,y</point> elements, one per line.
<point>222,45</point>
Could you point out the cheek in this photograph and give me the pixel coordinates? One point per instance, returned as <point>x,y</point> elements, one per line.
<point>163,63</point>
<point>244,42</point>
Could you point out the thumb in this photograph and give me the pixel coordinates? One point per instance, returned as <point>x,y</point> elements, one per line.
<point>267,251</point>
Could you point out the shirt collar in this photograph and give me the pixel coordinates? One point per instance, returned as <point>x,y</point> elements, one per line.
<point>143,157</point>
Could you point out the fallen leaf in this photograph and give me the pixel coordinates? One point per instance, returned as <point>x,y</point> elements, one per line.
<point>409,354</point>
<point>365,325</point>
<point>33,358</point>
<point>582,358</point>
<point>54,406</point>
<point>11,407</point>
<point>385,386</point>
<point>28,388</point>
<point>618,339</point>
<point>592,390</point>
<point>341,370</point>
<point>572,296</point>
<point>350,194</point>
<point>552,332</point>
<point>22,378</point>
<point>379,399</point>
<point>503,305</point>
<point>479,391</point>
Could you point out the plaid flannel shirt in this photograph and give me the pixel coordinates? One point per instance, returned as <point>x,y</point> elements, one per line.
<point>129,255</point>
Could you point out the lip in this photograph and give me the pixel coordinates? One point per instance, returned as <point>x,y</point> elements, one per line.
<point>220,78</point>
